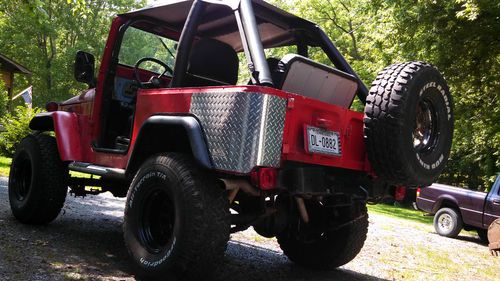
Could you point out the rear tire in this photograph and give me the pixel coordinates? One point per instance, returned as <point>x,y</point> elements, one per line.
<point>408,124</point>
<point>330,248</point>
<point>448,222</point>
<point>176,223</point>
<point>37,180</point>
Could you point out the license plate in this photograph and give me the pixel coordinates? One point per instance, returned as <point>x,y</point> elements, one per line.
<point>322,141</point>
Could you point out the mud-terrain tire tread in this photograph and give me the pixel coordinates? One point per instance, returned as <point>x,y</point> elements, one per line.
<point>457,220</point>
<point>202,251</point>
<point>49,185</point>
<point>384,118</point>
<point>337,248</point>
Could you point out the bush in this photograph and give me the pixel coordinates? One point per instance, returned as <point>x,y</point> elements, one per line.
<point>16,128</point>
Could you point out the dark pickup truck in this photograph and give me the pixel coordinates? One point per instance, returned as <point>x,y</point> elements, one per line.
<point>457,208</point>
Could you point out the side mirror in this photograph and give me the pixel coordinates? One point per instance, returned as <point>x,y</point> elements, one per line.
<point>84,68</point>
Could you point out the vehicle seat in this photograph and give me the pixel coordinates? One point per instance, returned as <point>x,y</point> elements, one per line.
<point>276,75</point>
<point>315,80</point>
<point>212,63</point>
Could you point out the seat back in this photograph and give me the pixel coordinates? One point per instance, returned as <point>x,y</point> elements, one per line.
<point>212,63</point>
<point>311,79</point>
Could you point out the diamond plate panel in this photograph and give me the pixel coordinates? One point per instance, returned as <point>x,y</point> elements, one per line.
<point>243,129</point>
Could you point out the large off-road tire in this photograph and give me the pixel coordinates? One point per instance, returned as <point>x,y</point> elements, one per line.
<point>330,248</point>
<point>448,222</point>
<point>38,180</point>
<point>408,124</point>
<point>176,223</point>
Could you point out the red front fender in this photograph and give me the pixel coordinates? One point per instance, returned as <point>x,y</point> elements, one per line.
<point>65,125</point>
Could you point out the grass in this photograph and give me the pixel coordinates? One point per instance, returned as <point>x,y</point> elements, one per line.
<point>408,214</point>
<point>402,213</point>
<point>81,175</point>
<point>4,166</point>
<point>402,257</point>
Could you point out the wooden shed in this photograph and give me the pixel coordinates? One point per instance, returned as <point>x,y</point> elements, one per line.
<point>8,68</point>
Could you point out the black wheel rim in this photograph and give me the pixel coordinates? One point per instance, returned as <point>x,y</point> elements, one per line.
<point>425,132</point>
<point>22,176</point>
<point>157,220</point>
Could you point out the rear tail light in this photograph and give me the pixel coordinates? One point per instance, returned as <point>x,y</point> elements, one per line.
<point>400,193</point>
<point>418,191</point>
<point>264,178</point>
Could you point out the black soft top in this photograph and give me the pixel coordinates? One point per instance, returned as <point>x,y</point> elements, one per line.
<point>276,26</point>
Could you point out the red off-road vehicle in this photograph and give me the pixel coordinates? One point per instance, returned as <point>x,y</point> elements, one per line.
<point>167,125</point>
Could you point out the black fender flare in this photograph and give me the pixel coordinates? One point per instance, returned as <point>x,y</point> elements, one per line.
<point>42,122</point>
<point>192,128</point>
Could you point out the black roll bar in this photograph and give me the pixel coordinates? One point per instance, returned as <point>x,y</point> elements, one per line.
<point>186,43</point>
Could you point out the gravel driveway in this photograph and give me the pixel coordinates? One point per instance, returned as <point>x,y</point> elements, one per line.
<point>85,243</point>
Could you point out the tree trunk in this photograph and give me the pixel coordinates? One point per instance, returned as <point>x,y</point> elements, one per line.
<point>355,51</point>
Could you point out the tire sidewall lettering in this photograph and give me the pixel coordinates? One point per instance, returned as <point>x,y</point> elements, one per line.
<point>147,176</point>
<point>437,93</point>
<point>155,263</point>
<point>196,241</point>
<point>432,166</point>
<point>443,93</point>
<point>147,260</point>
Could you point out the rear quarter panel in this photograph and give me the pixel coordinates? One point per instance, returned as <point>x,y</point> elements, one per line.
<point>300,111</point>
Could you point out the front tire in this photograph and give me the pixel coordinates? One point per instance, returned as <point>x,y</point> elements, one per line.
<point>448,222</point>
<point>37,180</point>
<point>330,248</point>
<point>176,223</point>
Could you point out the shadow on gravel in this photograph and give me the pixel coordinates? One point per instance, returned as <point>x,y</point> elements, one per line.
<point>476,240</point>
<point>246,262</point>
<point>85,243</point>
<point>471,239</point>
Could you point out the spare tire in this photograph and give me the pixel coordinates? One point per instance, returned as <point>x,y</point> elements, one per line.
<point>408,124</point>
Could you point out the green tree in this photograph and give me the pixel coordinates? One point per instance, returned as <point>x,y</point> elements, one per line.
<point>44,35</point>
<point>459,37</point>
